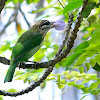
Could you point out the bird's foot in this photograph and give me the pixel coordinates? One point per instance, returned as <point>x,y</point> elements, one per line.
<point>21,64</point>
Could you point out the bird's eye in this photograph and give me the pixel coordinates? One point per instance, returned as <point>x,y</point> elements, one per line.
<point>46,23</point>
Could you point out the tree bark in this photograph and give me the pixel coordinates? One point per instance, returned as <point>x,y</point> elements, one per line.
<point>2,4</point>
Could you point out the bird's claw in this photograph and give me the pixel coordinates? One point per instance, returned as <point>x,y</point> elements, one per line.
<point>20,64</point>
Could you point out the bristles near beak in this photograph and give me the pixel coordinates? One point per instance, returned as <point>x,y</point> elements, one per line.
<point>52,24</point>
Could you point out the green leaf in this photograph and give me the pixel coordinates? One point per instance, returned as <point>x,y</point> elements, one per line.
<point>98,81</point>
<point>79,86</point>
<point>5,47</point>
<point>12,90</point>
<point>21,1</point>
<point>96,36</point>
<point>92,77</point>
<point>93,85</point>
<point>71,58</point>
<point>7,2</point>
<point>27,75</point>
<point>42,85</point>
<point>83,97</point>
<point>95,91</point>
<point>97,58</point>
<point>83,57</point>
<point>1,97</point>
<point>78,51</point>
<point>49,1</point>
<point>86,12</point>
<point>15,1</point>
<point>97,5</point>
<point>71,83</point>
<point>72,5</point>
<point>31,1</point>
<point>35,77</point>
<point>50,77</point>
<point>92,62</point>
<point>81,69</point>
<point>82,46</point>
<point>18,73</point>
<point>92,19</point>
<point>40,54</point>
<point>59,82</point>
<point>96,26</point>
<point>61,86</point>
<point>66,72</point>
<point>85,81</point>
<point>87,65</point>
<point>85,89</point>
<point>74,72</point>
<point>94,47</point>
<point>35,1</point>
<point>97,67</point>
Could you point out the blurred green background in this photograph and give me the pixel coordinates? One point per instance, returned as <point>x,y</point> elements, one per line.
<point>76,77</point>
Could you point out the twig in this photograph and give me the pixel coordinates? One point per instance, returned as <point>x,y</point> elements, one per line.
<point>11,19</point>
<point>60,3</point>
<point>63,2</point>
<point>51,63</point>
<point>24,17</point>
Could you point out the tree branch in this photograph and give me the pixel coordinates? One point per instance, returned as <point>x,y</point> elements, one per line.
<point>60,3</point>
<point>67,30</point>
<point>51,63</point>
<point>2,3</point>
<point>31,87</point>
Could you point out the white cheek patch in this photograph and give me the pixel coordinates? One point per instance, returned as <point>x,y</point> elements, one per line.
<point>45,26</point>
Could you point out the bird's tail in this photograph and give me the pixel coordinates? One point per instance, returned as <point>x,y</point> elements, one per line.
<point>10,72</point>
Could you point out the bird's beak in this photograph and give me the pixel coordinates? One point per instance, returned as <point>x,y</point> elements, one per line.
<point>52,26</point>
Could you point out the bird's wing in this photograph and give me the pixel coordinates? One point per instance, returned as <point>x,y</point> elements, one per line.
<point>25,43</point>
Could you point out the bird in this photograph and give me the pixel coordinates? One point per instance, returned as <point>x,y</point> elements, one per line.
<point>27,45</point>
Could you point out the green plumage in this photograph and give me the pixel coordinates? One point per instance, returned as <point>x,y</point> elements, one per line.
<point>26,46</point>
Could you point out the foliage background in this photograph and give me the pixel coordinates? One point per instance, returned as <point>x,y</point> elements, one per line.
<point>80,70</point>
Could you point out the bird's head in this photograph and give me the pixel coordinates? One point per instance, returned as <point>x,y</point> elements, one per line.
<point>43,26</point>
